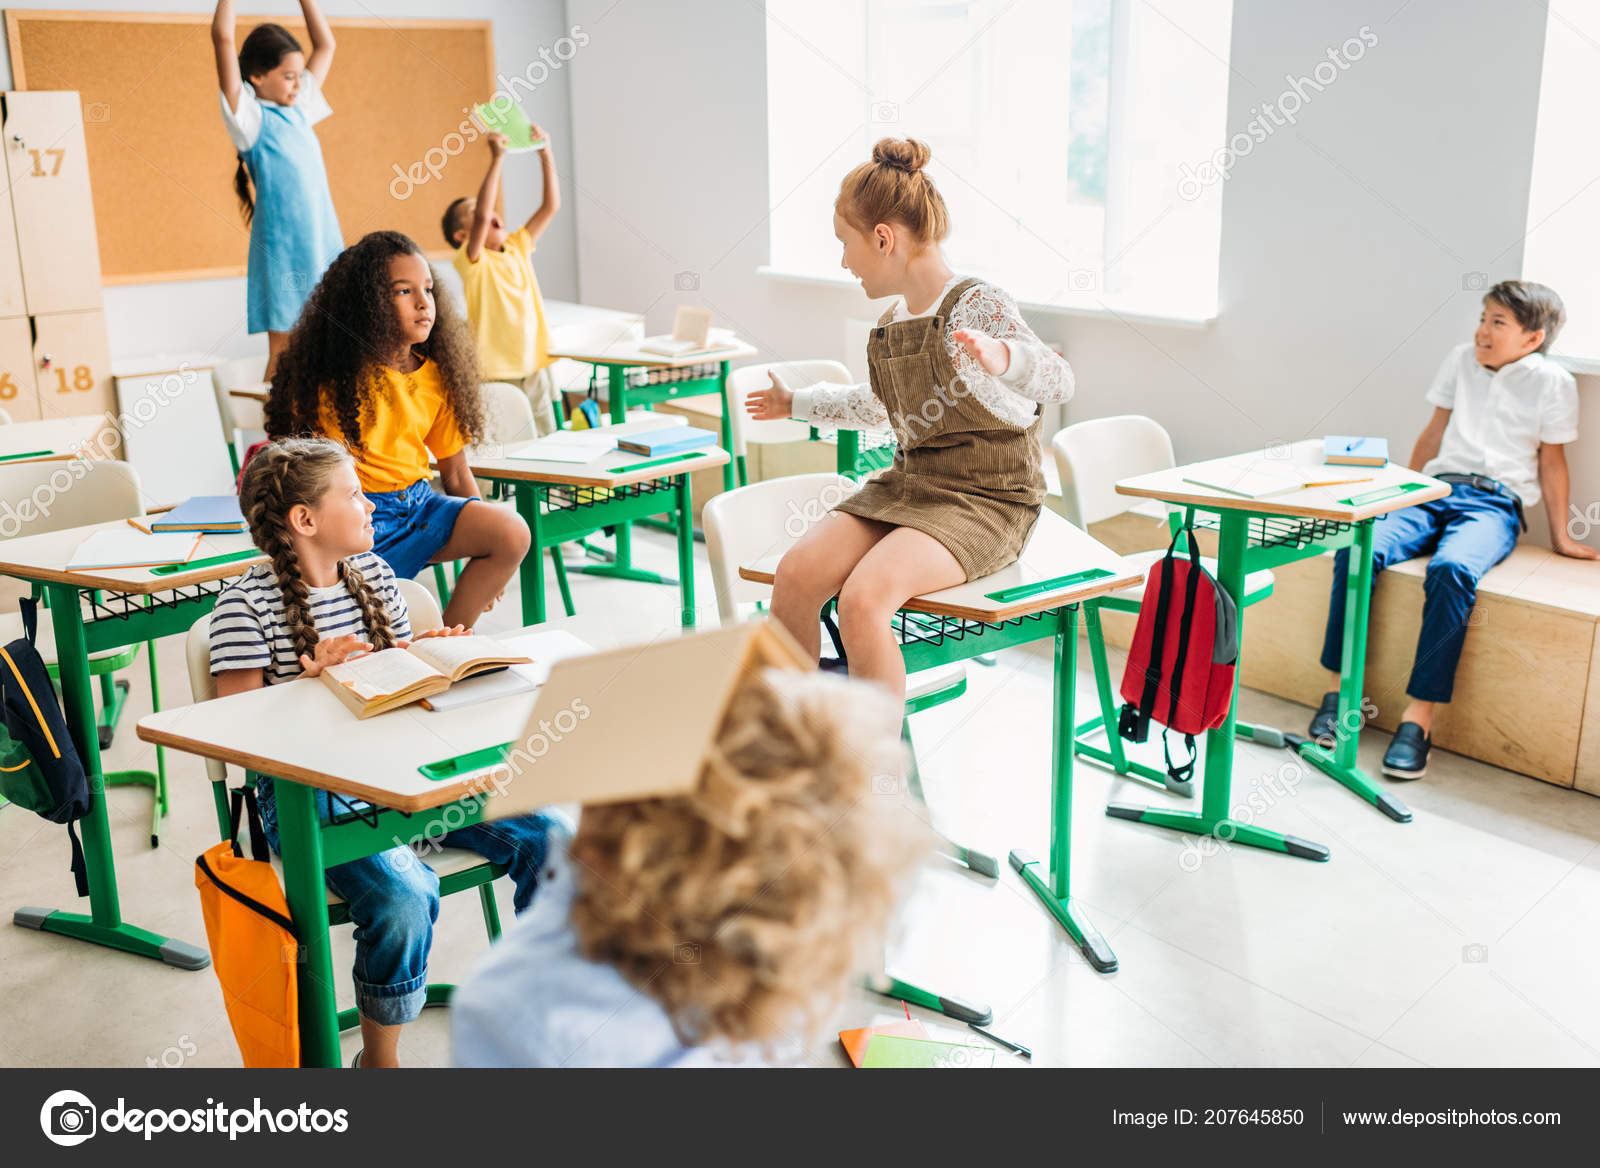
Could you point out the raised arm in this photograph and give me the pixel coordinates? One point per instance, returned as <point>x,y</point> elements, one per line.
<point>488,191</point>
<point>322,42</point>
<point>540,219</point>
<point>1427,447</point>
<point>222,24</point>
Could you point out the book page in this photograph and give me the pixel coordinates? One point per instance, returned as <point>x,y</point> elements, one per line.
<point>378,675</point>
<point>451,654</point>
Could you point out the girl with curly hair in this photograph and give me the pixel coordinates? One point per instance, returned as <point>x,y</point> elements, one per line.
<point>376,362</point>
<point>322,597</point>
<point>718,926</point>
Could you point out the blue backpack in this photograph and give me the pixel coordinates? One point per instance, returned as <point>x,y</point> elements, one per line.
<point>39,767</point>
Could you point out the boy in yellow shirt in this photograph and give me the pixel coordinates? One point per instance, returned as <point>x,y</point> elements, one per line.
<point>502,293</point>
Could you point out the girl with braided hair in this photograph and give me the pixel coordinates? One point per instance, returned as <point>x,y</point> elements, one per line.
<point>375,362</point>
<point>322,597</point>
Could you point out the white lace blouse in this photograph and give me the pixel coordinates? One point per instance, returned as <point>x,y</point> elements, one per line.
<point>1036,372</point>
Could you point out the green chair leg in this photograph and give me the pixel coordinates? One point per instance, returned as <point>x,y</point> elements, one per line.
<point>441,583</point>
<point>491,911</point>
<point>561,581</point>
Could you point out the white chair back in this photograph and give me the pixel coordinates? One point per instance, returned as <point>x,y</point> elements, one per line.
<point>243,373</point>
<point>744,381</point>
<point>1093,456</point>
<point>424,609</point>
<point>68,493</point>
<point>760,520</point>
<point>5,418</point>
<point>508,416</point>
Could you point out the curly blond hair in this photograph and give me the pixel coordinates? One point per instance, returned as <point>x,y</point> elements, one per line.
<point>744,907</point>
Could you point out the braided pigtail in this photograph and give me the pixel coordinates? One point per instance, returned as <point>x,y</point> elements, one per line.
<point>374,616</point>
<point>285,474</point>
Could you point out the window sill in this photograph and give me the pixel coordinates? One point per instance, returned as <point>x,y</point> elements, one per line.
<point>1578,365</point>
<point>1090,306</point>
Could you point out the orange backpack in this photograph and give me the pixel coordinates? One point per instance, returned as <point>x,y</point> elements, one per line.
<point>254,950</point>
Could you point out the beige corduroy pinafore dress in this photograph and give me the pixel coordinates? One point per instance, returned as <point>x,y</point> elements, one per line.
<point>960,474</point>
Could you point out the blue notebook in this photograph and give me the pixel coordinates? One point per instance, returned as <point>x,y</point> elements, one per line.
<point>668,440</point>
<point>219,513</point>
<point>1343,450</point>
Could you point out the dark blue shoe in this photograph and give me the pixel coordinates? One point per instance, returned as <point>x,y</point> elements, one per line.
<point>1325,722</point>
<point>1407,756</point>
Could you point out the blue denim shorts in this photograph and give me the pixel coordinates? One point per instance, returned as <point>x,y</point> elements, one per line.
<point>410,526</point>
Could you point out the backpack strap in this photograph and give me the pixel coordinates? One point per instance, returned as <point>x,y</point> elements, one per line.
<point>1184,773</point>
<point>30,617</point>
<point>80,867</point>
<point>1134,725</point>
<point>1185,621</point>
<point>245,799</point>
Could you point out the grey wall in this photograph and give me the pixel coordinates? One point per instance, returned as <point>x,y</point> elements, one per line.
<point>1348,239</point>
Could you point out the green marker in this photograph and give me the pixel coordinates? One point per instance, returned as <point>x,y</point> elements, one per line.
<point>25,454</point>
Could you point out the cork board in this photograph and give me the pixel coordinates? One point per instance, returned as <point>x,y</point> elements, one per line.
<point>160,162</point>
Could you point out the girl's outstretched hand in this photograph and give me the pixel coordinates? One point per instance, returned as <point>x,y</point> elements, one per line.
<point>455,631</point>
<point>993,355</point>
<point>333,651</point>
<point>773,402</point>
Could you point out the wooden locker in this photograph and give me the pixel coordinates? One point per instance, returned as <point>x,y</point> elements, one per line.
<point>11,299</point>
<point>18,395</point>
<point>48,165</point>
<point>72,365</point>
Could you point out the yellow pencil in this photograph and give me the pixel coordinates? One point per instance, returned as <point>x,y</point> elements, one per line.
<point>140,526</point>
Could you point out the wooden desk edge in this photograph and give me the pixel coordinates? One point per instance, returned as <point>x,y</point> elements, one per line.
<point>89,580</point>
<point>1025,607</point>
<point>438,797</point>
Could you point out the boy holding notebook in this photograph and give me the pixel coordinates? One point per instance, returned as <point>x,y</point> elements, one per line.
<point>502,293</point>
<point>1503,412</point>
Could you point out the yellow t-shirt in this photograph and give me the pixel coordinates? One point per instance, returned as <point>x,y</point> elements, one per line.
<point>505,309</point>
<point>411,416</point>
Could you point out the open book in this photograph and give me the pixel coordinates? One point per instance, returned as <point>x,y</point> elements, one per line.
<point>376,683</point>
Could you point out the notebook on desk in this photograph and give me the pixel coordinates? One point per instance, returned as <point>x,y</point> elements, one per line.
<point>1343,450</point>
<point>668,440</point>
<point>209,513</point>
<point>126,547</point>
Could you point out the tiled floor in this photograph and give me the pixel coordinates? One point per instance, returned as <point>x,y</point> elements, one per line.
<point>1465,937</point>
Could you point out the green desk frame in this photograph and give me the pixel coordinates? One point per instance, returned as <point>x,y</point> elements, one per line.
<point>119,620</point>
<point>1249,541</point>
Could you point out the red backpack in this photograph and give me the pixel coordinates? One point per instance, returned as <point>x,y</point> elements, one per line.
<point>1188,685</point>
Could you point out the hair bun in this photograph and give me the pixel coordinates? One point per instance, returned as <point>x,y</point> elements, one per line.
<point>905,154</point>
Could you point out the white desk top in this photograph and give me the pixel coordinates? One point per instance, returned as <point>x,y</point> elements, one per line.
<point>62,437</point>
<point>43,557</point>
<point>375,759</point>
<point>1310,503</point>
<point>627,352</point>
<point>608,470</point>
<point>1056,548</point>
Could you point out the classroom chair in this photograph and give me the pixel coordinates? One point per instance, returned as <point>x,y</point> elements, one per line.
<point>238,413</point>
<point>765,519</point>
<point>744,381</point>
<point>508,420</point>
<point>1092,457</point>
<point>458,869</point>
<point>5,418</point>
<point>106,491</point>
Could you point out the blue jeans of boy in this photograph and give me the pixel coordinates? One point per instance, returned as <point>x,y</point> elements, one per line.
<point>1468,531</point>
<point>394,899</point>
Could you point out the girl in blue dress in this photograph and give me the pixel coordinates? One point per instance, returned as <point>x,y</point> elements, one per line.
<point>271,97</point>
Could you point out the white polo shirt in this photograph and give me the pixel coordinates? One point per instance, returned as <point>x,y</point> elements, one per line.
<point>1498,420</point>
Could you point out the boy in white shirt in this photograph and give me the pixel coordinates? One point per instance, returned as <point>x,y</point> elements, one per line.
<point>1503,413</point>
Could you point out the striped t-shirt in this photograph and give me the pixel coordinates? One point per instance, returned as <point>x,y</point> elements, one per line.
<point>249,631</point>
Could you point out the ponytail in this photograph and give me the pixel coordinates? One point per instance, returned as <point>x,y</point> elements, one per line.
<point>241,187</point>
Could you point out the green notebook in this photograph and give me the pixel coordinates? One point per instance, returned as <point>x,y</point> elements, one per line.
<point>886,1050</point>
<point>508,119</point>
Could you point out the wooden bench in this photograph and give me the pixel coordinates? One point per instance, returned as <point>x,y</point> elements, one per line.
<point>1527,693</point>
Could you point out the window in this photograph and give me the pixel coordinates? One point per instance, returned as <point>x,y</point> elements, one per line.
<point>1065,137</point>
<point>1563,243</point>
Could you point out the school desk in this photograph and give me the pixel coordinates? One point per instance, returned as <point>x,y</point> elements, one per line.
<point>377,760</point>
<point>107,609</point>
<point>1265,533</point>
<point>623,356</point>
<point>56,439</point>
<point>563,501</point>
<point>1037,598</point>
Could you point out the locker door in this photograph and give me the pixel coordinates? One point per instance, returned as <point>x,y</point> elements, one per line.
<point>11,300</point>
<point>49,169</point>
<point>72,365</point>
<point>18,396</point>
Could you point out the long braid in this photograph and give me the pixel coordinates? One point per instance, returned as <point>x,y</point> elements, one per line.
<point>374,616</point>
<point>269,527</point>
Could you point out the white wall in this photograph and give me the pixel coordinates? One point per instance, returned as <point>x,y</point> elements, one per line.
<point>208,315</point>
<point>1347,239</point>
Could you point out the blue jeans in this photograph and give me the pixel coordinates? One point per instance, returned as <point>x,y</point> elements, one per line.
<point>394,899</point>
<point>1468,531</point>
<point>410,526</point>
